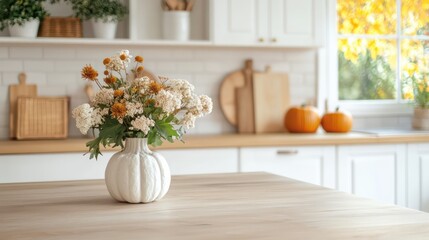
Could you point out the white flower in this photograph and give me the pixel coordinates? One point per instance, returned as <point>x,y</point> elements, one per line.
<point>97,116</point>
<point>167,101</point>
<point>134,108</point>
<point>206,103</point>
<point>83,116</point>
<point>116,64</point>
<point>127,56</point>
<point>181,87</point>
<point>104,96</point>
<point>188,120</point>
<point>195,106</point>
<point>142,124</point>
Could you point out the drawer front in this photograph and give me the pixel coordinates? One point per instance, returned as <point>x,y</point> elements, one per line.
<point>309,164</point>
<point>199,161</point>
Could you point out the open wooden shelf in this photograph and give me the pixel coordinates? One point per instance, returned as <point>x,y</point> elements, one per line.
<point>216,141</point>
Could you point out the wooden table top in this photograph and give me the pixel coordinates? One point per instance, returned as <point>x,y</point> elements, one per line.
<point>218,206</point>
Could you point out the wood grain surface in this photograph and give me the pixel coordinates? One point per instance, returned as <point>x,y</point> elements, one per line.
<point>218,141</point>
<point>245,102</point>
<point>15,91</point>
<point>271,101</point>
<point>219,206</point>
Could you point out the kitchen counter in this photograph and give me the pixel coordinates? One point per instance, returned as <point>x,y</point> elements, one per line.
<point>221,141</point>
<point>218,206</point>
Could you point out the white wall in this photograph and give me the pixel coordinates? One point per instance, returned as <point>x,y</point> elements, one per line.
<point>56,71</point>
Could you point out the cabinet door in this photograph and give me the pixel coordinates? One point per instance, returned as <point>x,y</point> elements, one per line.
<point>373,171</point>
<point>418,176</point>
<point>297,23</point>
<point>238,21</point>
<point>199,161</point>
<point>309,164</point>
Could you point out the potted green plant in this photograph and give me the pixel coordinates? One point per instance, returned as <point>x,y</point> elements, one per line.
<point>419,95</point>
<point>103,14</point>
<point>22,17</point>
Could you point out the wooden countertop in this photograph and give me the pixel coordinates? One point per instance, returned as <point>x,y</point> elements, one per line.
<point>218,141</point>
<point>218,206</point>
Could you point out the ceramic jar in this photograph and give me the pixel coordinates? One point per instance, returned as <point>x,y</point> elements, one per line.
<point>421,118</point>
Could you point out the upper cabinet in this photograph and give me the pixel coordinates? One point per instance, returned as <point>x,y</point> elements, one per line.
<point>269,22</point>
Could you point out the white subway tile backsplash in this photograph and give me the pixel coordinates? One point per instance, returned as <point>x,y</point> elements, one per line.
<point>190,67</point>
<point>60,79</point>
<point>32,78</point>
<point>56,71</point>
<point>307,56</point>
<point>56,53</point>
<point>69,66</point>
<point>223,67</point>
<point>26,52</point>
<point>11,65</point>
<point>38,65</point>
<point>4,52</point>
<point>302,68</point>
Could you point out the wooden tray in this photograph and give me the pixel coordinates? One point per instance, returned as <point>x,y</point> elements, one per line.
<point>42,117</point>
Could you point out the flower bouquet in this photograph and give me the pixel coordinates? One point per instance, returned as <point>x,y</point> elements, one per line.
<point>130,105</point>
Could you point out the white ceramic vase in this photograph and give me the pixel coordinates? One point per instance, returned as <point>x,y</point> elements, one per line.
<point>104,30</point>
<point>27,30</point>
<point>136,174</point>
<point>421,118</point>
<point>176,25</point>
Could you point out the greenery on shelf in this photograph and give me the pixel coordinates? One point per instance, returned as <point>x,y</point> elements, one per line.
<point>13,12</point>
<point>105,10</point>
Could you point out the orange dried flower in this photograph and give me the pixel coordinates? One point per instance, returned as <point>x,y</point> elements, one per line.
<point>150,102</point>
<point>106,61</point>
<point>118,110</point>
<point>139,59</point>
<point>155,87</point>
<point>106,72</point>
<point>118,93</point>
<point>89,73</point>
<point>123,57</point>
<point>140,69</point>
<point>110,80</point>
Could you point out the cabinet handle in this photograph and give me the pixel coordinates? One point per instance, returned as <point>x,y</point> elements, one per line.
<point>274,40</point>
<point>287,152</point>
<point>261,39</point>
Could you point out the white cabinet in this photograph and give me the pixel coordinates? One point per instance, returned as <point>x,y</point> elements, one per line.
<point>418,176</point>
<point>199,161</point>
<point>51,167</point>
<point>269,22</point>
<point>309,164</point>
<point>373,171</point>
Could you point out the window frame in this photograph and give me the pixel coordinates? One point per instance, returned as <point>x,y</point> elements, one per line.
<point>394,107</point>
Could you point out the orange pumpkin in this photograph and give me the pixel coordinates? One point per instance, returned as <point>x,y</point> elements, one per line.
<point>337,122</point>
<point>304,119</point>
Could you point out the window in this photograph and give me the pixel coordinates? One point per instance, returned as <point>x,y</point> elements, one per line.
<point>381,46</point>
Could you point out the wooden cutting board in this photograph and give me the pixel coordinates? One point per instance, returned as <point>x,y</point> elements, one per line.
<point>271,100</point>
<point>15,91</point>
<point>227,98</point>
<point>244,96</point>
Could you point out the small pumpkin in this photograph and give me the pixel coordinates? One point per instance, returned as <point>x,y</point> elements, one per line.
<point>337,122</point>
<point>303,119</point>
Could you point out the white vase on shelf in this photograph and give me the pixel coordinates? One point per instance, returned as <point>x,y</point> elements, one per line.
<point>136,174</point>
<point>28,29</point>
<point>104,29</point>
<point>176,25</point>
